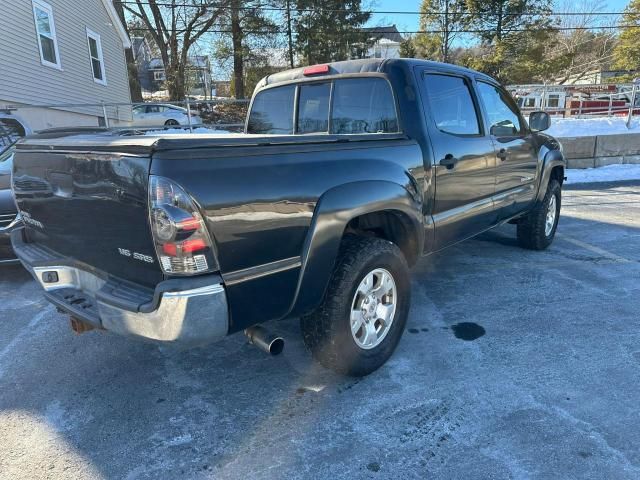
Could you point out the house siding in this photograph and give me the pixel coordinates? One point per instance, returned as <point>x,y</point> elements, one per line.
<point>25,81</point>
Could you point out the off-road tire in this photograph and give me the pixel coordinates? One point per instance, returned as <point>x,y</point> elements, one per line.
<point>531,229</point>
<point>327,331</point>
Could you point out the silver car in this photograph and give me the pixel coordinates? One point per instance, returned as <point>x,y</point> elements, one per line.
<point>163,115</point>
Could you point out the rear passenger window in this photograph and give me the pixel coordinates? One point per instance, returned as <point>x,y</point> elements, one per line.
<point>313,108</point>
<point>272,111</point>
<point>451,105</point>
<point>363,105</point>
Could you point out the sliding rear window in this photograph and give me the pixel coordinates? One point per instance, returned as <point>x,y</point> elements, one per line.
<point>358,106</point>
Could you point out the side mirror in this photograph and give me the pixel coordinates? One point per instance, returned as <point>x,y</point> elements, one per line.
<point>539,121</point>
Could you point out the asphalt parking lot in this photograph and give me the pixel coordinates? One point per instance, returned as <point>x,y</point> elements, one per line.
<point>516,364</point>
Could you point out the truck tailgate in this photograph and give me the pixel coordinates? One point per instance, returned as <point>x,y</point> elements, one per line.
<point>89,206</point>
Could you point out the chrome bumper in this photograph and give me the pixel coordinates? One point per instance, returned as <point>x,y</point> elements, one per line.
<point>177,314</point>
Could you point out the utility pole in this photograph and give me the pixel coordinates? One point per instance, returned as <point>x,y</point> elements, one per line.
<point>289,34</point>
<point>238,60</point>
<point>445,43</point>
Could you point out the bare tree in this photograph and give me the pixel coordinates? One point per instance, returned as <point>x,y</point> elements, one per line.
<point>176,25</point>
<point>132,68</point>
<point>585,46</point>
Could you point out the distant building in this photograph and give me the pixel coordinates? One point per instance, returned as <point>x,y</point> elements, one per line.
<point>596,76</point>
<point>152,75</point>
<point>385,42</point>
<point>53,52</point>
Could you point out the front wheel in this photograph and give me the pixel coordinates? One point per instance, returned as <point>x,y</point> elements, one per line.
<point>364,312</point>
<point>171,123</point>
<point>537,230</point>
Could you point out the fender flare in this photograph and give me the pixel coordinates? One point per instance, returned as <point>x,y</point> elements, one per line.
<point>335,209</point>
<point>552,159</point>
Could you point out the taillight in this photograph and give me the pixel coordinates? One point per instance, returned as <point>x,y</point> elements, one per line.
<point>181,238</point>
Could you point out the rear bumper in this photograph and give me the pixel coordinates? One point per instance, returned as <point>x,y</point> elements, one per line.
<point>188,312</point>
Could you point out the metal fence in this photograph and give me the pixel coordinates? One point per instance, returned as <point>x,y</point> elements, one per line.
<point>189,114</point>
<point>580,101</point>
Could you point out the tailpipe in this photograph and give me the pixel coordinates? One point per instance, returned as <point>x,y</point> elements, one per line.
<point>265,340</point>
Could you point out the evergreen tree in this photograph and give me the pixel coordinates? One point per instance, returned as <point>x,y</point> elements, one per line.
<point>408,48</point>
<point>511,33</point>
<point>252,37</point>
<point>627,51</point>
<point>497,19</point>
<point>329,30</point>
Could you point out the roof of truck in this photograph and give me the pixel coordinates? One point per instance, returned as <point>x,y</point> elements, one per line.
<point>369,65</point>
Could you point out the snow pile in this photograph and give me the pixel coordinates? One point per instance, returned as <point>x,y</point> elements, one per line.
<point>584,127</point>
<point>610,173</point>
<point>185,131</point>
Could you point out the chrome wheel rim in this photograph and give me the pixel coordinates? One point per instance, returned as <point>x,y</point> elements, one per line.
<point>373,308</point>
<point>551,216</point>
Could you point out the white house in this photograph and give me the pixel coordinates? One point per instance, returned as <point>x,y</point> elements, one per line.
<point>386,42</point>
<point>63,53</point>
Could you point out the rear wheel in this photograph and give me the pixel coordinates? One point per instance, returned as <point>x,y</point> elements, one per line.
<point>537,230</point>
<point>172,123</point>
<point>363,315</point>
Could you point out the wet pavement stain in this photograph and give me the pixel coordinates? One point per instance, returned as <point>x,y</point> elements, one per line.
<point>374,467</point>
<point>468,331</point>
<point>413,330</point>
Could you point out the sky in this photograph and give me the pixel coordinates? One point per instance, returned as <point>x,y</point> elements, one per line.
<point>410,22</point>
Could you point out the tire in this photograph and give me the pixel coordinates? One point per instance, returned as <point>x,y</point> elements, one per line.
<point>327,331</point>
<point>171,123</point>
<point>532,231</point>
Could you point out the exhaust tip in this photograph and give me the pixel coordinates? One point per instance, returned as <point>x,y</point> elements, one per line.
<point>276,346</point>
<point>265,340</point>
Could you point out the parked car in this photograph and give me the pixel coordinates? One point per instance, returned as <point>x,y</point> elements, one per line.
<point>9,219</point>
<point>348,174</point>
<point>166,115</point>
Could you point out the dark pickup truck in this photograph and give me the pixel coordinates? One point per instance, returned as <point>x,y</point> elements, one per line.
<point>346,175</point>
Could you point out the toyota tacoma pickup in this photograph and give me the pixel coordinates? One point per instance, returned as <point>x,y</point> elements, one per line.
<point>346,174</point>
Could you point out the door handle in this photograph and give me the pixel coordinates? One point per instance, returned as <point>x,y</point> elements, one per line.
<point>448,161</point>
<point>502,154</point>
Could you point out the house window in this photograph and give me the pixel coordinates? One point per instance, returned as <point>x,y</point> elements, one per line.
<point>95,55</point>
<point>46,32</point>
<point>159,76</point>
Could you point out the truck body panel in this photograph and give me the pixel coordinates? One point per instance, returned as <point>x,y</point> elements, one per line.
<point>277,206</point>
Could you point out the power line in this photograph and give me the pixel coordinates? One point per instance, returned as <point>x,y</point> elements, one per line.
<point>373,12</point>
<point>382,32</point>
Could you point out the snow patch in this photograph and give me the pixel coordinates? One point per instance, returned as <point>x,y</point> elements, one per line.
<point>585,127</point>
<point>610,173</point>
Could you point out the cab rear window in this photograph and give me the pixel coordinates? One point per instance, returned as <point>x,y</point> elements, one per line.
<point>344,106</point>
<point>272,111</point>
